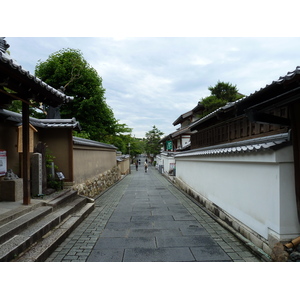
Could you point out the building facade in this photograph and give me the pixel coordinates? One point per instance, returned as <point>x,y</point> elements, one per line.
<point>244,163</point>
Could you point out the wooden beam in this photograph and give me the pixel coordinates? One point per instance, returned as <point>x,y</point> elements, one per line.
<point>15,97</point>
<point>71,156</point>
<point>294,113</point>
<point>264,118</point>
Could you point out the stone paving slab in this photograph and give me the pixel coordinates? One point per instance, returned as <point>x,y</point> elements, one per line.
<point>180,254</point>
<point>140,232</point>
<point>210,254</point>
<point>125,242</point>
<point>166,212</point>
<point>183,241</point>
<point>144,218</point>
<point>121,225</point>
<point>193,231</point>
<point>127,214</point>
<point>152,218</point>
<point>106,255</point>
<point>183,217</point>
<point>175,224</point>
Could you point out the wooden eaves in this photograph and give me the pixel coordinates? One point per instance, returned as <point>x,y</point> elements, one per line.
<point>25,87</point>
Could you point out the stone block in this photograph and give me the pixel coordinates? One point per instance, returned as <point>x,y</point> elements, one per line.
<point>37,174</point>
<point>273,238</point>
<point>11,190</point>
<point>236,225</point>
<point>256,241</point>
<point>244,232</point>
<point>222,215</point>
<point>266,248</point>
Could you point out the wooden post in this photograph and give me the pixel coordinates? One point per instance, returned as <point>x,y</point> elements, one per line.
<point>71,157</point>
<point>294,112</point>
<point>26,159</point>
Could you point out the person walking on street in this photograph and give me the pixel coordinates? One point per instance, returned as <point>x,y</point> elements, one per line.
<point>136,165</point>
<point>146,167</point>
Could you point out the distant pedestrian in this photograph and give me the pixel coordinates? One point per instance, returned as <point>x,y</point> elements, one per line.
<point>146,167</point>
<point>136,165</point>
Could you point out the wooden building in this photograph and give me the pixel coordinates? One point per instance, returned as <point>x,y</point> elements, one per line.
<point>179,140</point>
<point>18,84</point>
<point>244,162</point>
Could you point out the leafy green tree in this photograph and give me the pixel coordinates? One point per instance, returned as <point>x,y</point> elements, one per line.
<point>136,146</point>
<point>221,94</point>
<point>69,71</point>
<point>152,145</point>
<point>121,140</point>
<point>212,103</point>
<point>224,91</point>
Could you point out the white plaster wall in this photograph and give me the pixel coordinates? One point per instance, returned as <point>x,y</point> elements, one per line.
<point>158,161</point>
<point>166,161</point>
<point>255,188</point>
<point>185,140</point>
<point>289,224</point>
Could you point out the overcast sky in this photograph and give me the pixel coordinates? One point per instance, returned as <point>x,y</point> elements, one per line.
<point>152,80</point>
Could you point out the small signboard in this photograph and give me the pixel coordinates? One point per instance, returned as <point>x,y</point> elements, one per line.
<point>32,130</point>
<point>60,175</point>
<point>3,163</point>
<point>169,145</point>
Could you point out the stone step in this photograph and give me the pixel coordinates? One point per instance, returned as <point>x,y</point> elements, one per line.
<point>17,241</point>
<point>17,212</point>
<point>63,199</point>
<point>71,207</point>
<point>11,248</point>
<point>15,226</point>
<point>41,250</point>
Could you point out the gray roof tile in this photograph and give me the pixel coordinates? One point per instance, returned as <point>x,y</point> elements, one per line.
<point>258,144</point>
<point>41,123</point>
<point>6,60</point>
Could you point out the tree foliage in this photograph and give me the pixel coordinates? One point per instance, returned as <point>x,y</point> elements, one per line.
<point>152,145</point>
<point>68,70</point>
<point>224,91</point>
<point>221,94</point>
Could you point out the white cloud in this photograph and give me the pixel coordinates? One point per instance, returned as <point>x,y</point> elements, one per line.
<point>152,81</point>
<point>201,61</point>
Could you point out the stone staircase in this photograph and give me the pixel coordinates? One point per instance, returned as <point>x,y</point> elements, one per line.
<point>33,233</point>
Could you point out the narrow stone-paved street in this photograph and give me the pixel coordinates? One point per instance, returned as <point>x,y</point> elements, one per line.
<point>144,218</point>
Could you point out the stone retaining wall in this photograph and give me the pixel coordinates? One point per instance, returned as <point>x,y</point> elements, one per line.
<point>94,186</point>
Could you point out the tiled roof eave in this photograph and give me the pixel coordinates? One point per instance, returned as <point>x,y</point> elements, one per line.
<point>281,80</point>
<point>182,117</point>
<point>91,143</point>
<point>33,82</point>
<point>269,143</point>
<point>41,123</point>
<point>121,158</point>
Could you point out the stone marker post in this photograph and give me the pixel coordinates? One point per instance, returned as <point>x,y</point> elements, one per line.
<point>37,174</point>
